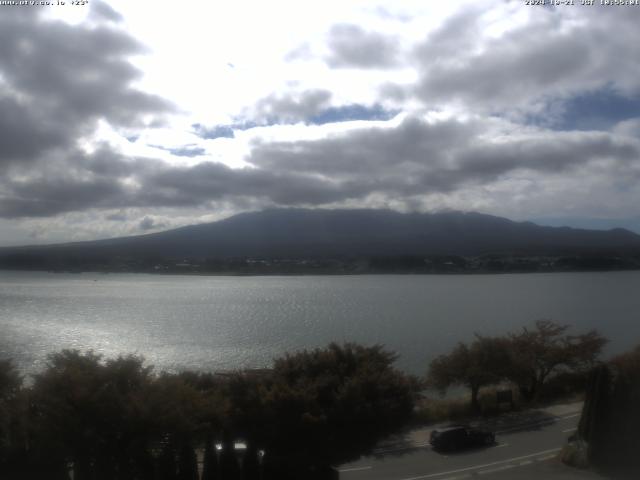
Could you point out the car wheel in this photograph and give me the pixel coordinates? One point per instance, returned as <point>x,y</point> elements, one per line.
<point>489,440</point>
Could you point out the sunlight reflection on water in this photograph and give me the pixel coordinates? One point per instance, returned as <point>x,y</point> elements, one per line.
<point>219,323</point>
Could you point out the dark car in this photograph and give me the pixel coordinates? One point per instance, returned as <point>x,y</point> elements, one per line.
<point>455,437</point>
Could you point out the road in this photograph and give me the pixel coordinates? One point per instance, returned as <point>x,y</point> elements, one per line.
<point>522,449</point>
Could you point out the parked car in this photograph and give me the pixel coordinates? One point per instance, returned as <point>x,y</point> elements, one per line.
<point>456,437</point>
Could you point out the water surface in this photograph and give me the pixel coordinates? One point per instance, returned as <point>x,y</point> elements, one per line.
<point>227,322</point>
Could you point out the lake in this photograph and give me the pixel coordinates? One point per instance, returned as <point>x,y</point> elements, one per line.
<point>227,322</point>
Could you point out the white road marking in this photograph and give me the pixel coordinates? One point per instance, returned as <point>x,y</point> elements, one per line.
<point>570,416</point>
<point>545,458</point>
<point>526,462</point>
<point>476,467</point>
<point>389,450</point>
<point>497,469</point>
<point>569,430</point>
<point>355,469</point>
<point>501,445</point>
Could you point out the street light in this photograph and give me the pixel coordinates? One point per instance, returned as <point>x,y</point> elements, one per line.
<point>261,454</point>
<point>219,448</point>
<point>240,449</point>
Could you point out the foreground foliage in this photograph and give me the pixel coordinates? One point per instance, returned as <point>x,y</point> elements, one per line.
<point>528,359</point>
<point>116,419</point>
<point>610,419</point>
<point>342,400</point>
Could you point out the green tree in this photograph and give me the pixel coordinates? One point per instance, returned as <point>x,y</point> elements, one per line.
<point>93,414</point>
<point>537,353</point>
<point>327,406</point>
<point>10,380</point>
<point>474,366</point>
<point>10,413</point>
<point>183,411</point>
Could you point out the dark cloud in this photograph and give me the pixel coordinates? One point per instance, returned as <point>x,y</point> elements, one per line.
<point>292,107</point>
<point>547,153</point>
<point>192,186</point>
<point>346,113</point>
<point>44,197</point>
<point>420,157</point>
<point>353,47</point>
<point>507,72</point>
<point>73,181</point>
<point>414,158</point>
<point>368,150</point>
<point>149,223</point>
<point>104,162</point>
<point>117,217</point>
<point>456,37</point>
<point>459,63</point>
<point>311,107</point>
<point>102,11</point>
<point>25,133</point>
<point>217,131</point>
<point>58,80</point>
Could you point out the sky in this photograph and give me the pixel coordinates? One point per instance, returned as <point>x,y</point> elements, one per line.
<point>122,118</point>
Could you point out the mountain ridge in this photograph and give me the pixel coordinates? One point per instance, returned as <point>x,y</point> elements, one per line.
<point>321,233</point>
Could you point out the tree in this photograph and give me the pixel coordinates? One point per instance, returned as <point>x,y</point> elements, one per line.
<point>10,380</point>
<point>537,353</point>
<point>93,413</point>
<point>183,410</point>
<point>628,365</point>
<point>113,419</point>
<point>610,418</point>
<point>620,445</point>
<point>474,366</point>
<point>327,406</point>
<point>10,388</point>
<point>593,421</point>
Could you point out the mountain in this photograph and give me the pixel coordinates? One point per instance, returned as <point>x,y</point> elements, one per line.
<point>299,233</point>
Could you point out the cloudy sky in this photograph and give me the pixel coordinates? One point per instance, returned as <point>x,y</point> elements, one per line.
<point>129,117</point>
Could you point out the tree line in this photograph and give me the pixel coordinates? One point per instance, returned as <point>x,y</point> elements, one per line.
<point>526,359</point>
<point>117,419</point>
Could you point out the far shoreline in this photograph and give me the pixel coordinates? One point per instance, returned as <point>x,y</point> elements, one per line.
<point>315,274</point>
